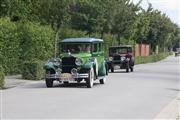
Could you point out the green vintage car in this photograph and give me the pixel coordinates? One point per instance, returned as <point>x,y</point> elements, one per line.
<point>81,60</point>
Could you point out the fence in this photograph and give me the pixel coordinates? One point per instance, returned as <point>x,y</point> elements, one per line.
<point>142,50</point>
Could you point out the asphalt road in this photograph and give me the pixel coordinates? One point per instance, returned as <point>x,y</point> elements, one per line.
<point>138,95</point>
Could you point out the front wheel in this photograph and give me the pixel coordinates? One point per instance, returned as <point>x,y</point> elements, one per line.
<point>132,69</point>
<point>90,79</point>
<point>49,83</point>
<point>127,67</point>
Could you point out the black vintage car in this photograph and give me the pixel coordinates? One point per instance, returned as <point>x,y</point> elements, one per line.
<point>121,56</point>
<point>177,52</point>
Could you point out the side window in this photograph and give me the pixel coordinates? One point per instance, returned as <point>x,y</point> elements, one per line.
<point>129,50</point>
<point>95,47</point>
<point>100,47</point>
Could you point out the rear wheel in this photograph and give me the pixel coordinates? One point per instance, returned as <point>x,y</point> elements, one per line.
<point>90,79</point>
<point>112,69</point>
<point>107,69</point>
<point>102,81</point>
<point>49,83</point>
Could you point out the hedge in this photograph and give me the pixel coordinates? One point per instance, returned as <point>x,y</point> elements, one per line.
<point>32,70</point>
<point>23,41</point>
<point>1,77</point>
<point>36,41</point>
<point>9,46</point>
<point>151,58</point>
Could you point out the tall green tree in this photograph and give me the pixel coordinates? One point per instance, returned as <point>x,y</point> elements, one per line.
<point>54,13</point>
<point>125,23</point>
<point>86,15</point>
<point>15,9</point>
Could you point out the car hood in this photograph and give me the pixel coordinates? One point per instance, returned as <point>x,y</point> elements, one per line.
<point>122,55</point>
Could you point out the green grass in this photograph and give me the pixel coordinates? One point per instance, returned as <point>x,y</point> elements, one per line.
<point>151,58</point>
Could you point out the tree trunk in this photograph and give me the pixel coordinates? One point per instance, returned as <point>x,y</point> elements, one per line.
<point>102,34</point>
<point>119,40</point>
<point>55,43</point>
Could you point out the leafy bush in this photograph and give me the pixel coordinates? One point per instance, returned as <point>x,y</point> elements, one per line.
<point>151,58</point>
<point>1,77</point>
<point>32,70</point>
<point>9,46</point>
<point>71,33</point>
<point>36,41</point>
<point>23,41</point>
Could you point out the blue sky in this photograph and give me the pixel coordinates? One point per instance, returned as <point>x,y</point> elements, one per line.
<point>170,7</point>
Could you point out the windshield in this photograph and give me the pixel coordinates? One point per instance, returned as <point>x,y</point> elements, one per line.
<point>121,50</point>
<point>76,47</point>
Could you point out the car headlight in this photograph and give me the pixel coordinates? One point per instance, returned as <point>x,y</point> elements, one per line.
<point>110,58</point>
<point>78,62</point>
<point>57,62</point>
<point>127,59</point>
<point>74,71</point>
<point>123,58</point>
<point>58,71</point>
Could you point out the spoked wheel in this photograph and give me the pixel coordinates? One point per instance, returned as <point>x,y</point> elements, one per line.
<point>107,69</point>
<point>49,83</point>
<point>132,68</point>
<point>90,79</point>
<point>127,67</point>
<point>112,69</point>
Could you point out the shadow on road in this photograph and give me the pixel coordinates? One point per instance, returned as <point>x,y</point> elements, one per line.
<point>117,71</point>
<point>58,85</point>
<point>74,85</point>
<point>174,89</point>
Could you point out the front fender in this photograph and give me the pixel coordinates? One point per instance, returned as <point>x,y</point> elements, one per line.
<point>49,65</point>
<point>88,65</point>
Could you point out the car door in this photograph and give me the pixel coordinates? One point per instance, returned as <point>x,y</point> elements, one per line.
<point>98,54</point>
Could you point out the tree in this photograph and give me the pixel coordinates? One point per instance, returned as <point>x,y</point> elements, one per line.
<point>54,13</point>
<point>15,9</point>
<point>142,27</point>
<point>125,23</point>
<point>86,15</point>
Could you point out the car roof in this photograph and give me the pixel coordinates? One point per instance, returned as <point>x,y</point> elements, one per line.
<point>121,46</point>
<point>81,40</point>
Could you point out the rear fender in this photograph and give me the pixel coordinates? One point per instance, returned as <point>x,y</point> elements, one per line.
<point>102,70</point>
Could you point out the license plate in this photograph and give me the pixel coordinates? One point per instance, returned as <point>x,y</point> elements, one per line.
<point>66,76</point>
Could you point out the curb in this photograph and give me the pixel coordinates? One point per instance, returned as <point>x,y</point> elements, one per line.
<point>170,112</point>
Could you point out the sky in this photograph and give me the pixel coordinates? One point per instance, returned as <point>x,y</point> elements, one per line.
<point>170,7</point>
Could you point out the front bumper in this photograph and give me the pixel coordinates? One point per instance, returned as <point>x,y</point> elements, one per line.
<point>68,76</point>
<point>119,61</point>
<point>122,64</point>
